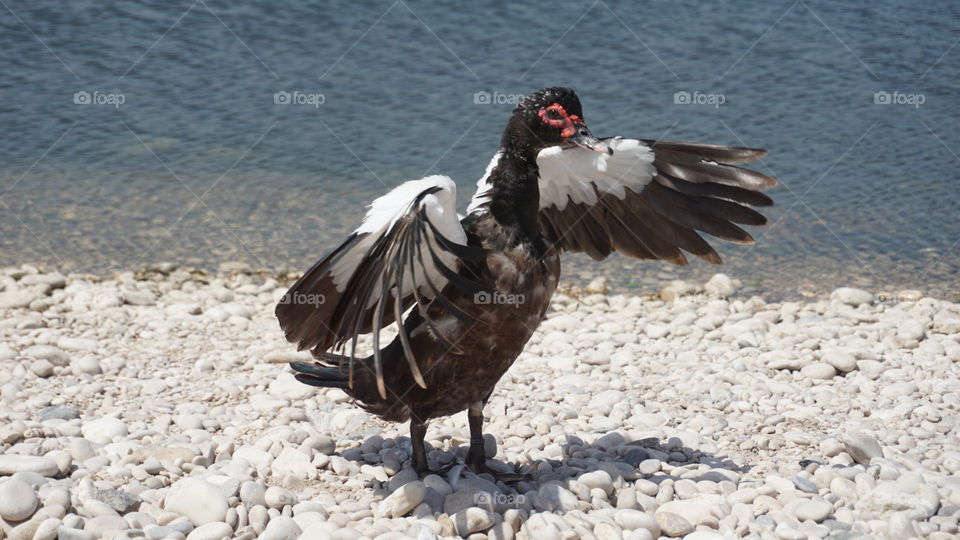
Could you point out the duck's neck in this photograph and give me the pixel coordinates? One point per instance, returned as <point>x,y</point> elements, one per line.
<point>515,197</point>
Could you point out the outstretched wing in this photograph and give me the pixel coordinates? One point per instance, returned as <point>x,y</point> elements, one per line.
<point>409,247</point>
<point>649,198</point>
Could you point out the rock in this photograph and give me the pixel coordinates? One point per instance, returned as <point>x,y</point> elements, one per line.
<point>47,529</point>
<point>598,286</point>
<point>815,509</point>
<point>47,352</point>
<point>121,501</point>
<point>54,280</point>
<point>559,497</point>
<point>277,497</point>
<point>104,430</point>
<point>41,368</point>
<point>281,528</point>
<point>87,365</point>
<point>103,526</point>
<point>946,322</point>
<point>18,501</point>
<point>852,297</point>
<point>405,498</point>
<point>636,519</point>
<point>471,520</point>
<point>597,479</point>
<point>293,462</point>
<point>12,463</point>
<point>695,511</point>
<point>673,525</point>
<point>211,531</point>
<point>719,285</point>
<point>59,412</point>
<point>286,386</point>
<point>842,361</point>
<point>139,298</point>
<point>915,500</point>
<point>15,299</point>
<point>861,447</point>
<point>70,533</point>
<point>818,371</point>
<point>199,501</point>
<point>253,493</point>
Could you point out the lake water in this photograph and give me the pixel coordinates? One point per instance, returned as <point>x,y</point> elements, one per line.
<point>205,131</point>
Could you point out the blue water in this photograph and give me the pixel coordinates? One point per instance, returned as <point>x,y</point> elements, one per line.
<point>185,108</point>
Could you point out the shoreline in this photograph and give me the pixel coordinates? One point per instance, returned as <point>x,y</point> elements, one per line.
<point>158,402</point>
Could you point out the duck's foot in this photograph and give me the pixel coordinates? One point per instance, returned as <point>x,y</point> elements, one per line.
<point>498,474</point>
<point>441,471</point>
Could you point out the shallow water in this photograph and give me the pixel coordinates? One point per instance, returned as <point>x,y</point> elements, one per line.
<point>869,191</point>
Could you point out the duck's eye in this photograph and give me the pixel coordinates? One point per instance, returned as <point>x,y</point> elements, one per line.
<point>553,114</point>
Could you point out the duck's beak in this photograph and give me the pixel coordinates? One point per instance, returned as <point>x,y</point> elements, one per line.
<point>584,139</point>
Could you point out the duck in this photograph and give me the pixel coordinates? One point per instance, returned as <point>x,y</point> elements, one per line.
<point>464,293</point>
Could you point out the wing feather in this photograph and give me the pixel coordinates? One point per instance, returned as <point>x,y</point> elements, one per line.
<point>650,199</point>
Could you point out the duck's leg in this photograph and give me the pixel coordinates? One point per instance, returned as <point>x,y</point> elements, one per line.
<point>476,456</point>
<point>418,430</point>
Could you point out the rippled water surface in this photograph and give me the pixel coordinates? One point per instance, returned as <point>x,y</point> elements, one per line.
<point>138,133</point>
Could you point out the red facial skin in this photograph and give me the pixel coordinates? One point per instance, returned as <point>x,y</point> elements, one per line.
<point>569,122</point>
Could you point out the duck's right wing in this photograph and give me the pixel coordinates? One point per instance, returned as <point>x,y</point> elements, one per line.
<point>410,247</point>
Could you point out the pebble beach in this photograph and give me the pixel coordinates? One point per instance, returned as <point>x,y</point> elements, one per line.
<point>158,404</point>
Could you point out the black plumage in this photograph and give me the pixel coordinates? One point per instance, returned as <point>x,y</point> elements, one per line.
<point>552,187</point>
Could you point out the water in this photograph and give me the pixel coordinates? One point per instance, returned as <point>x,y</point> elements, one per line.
<point>869,191</point>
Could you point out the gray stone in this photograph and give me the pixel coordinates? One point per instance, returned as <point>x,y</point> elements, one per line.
<point>915,500</point>
<point>852,297</point>
<point>861,447</point>
<point>59,412</point>
<point>121,501</point>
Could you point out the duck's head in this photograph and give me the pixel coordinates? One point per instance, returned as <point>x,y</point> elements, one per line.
<point>550,117</point>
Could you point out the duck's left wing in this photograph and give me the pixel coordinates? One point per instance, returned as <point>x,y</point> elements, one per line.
<point>407,251</point>
<point>648,199</point>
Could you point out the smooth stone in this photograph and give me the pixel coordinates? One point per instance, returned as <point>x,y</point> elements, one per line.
<point>211,531</point>
<point>18,501</point>
<point>842,361</point>
<point>277,497</point>
<point>13,463</point>
<point>861,447</point>
<point>673,525</point>
<point>41,368</point>
<point>253,493</point>
<point>405,498</point>
<point>472,520</point>
<point>104,430</point>
<point>197,500</point>
<point>59,412</point>
<point>281,528</point>
<point>100,526</point>
<point>851,296</point>
<point>818,371</point>
<point>47,352</point>
<point>916,501</point>
<point>637,519</point>
<point>292,461</point>
<point>815,509</point>
<point>87,365</point>
<point>70,533</point>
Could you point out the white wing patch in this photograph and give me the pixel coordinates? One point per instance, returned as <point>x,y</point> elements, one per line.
<point>482,196</point>
<point>577,174</point>
<point>385,211</point>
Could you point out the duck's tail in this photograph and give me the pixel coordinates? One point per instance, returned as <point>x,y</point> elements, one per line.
<point>334,374</point>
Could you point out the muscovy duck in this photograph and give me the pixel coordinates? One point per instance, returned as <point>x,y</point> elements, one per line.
<point>466,294</point>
